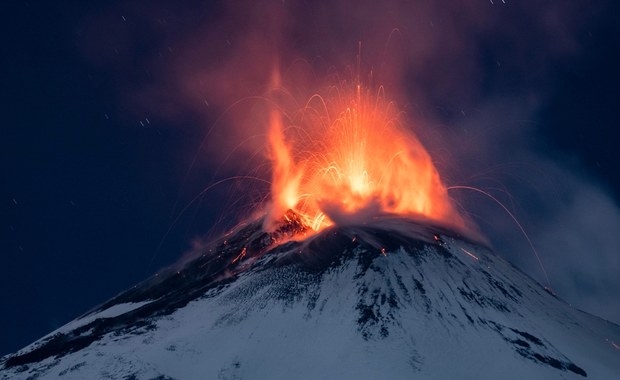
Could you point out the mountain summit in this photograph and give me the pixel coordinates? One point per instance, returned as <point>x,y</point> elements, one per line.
<point>391,299</point>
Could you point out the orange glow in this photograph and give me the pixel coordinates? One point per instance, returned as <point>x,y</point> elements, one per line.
<point>345,157</point>
<point>285,183</point>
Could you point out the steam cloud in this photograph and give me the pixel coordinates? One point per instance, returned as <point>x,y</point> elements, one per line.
<point>472,77</point>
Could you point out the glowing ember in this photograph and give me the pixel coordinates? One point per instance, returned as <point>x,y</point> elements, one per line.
<point>344,157</point>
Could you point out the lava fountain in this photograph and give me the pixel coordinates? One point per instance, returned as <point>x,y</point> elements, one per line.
<point>345,156</point>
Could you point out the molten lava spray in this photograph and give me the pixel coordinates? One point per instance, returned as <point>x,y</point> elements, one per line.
<point>345,157</point>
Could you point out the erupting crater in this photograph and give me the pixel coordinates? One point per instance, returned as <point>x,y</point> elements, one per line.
<point>346,156</point>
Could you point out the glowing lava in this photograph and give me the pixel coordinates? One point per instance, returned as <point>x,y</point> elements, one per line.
<point>345,157</point>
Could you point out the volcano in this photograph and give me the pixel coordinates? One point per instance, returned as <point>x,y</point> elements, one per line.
<point>394,298</point>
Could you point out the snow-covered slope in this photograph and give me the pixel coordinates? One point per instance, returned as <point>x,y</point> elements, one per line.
<point>391,300</point>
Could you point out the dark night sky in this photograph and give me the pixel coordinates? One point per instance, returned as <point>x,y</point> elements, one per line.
<point>91,181</point>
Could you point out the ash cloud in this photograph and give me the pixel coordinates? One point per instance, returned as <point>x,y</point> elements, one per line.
<point>473,77</point>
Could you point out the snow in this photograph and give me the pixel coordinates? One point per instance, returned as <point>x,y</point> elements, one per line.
<point>110,312</point>
<point>432,313</point>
